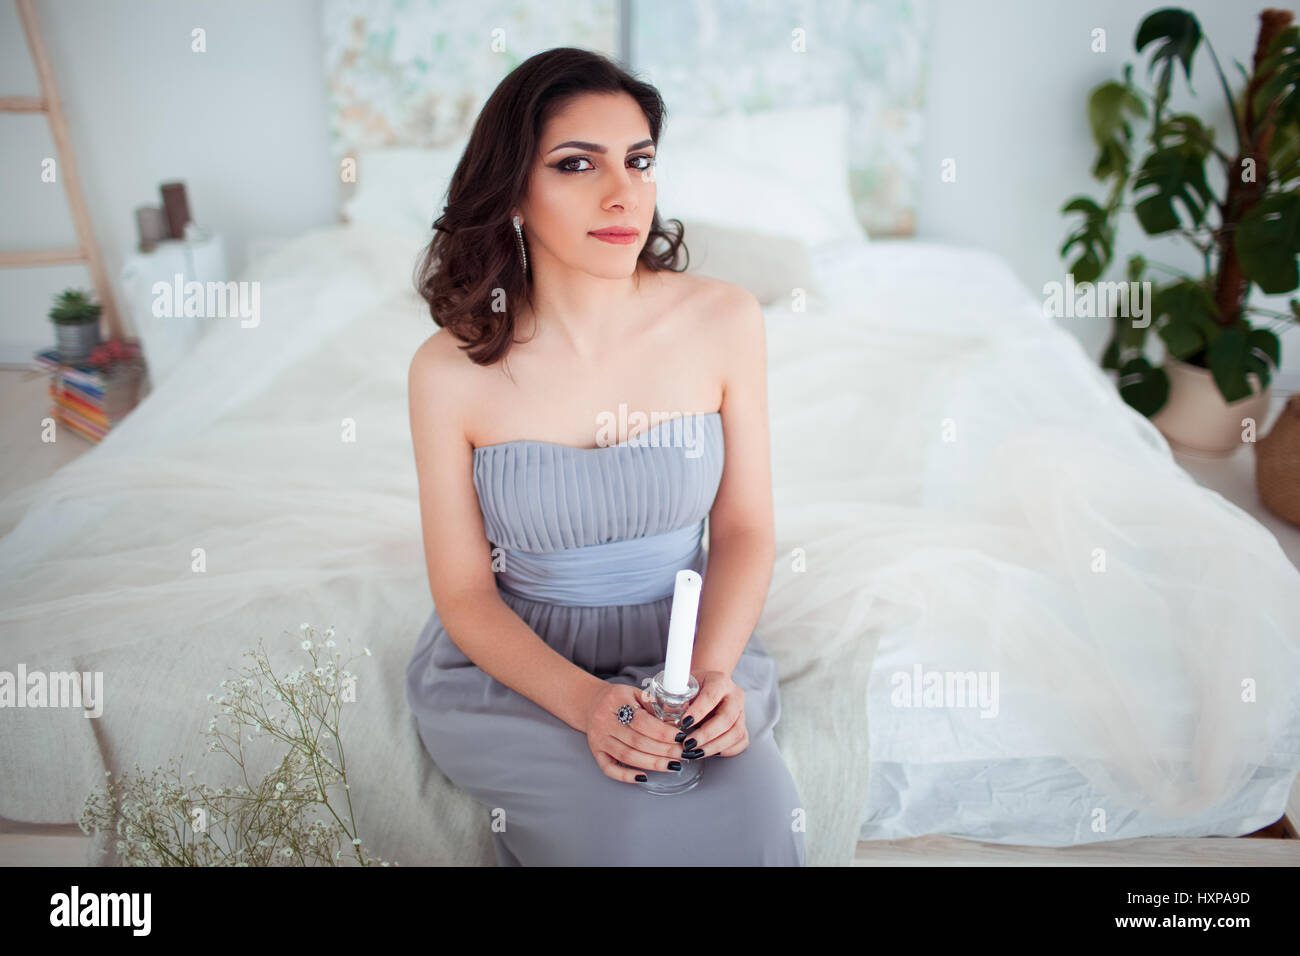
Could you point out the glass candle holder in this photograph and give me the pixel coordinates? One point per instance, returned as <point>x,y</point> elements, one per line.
<point>670,708</point>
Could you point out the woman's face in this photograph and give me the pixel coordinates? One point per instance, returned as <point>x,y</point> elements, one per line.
<point>604,181</point>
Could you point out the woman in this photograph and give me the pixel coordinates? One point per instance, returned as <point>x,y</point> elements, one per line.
<point>557,507</point>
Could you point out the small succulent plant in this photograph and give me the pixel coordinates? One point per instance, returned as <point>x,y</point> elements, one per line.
<point>74,307</point>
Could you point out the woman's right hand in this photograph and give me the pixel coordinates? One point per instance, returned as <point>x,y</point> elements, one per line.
<point>647,743</point>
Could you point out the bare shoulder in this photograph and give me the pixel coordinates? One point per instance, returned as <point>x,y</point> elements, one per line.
<point>715,303</point>
<point>442,350</point>
<point>739,333</point>
<point>726,322</point>
<point>441,375</point>
<point>730,310</point>
<point>437,361</point>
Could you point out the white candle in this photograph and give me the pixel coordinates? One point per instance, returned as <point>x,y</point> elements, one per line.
<point>681,631</point>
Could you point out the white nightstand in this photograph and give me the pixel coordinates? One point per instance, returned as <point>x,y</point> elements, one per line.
<point>167,338</point>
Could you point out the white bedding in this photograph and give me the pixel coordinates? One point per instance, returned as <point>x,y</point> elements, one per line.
<point>965,555</point>
<point>1121,710</point>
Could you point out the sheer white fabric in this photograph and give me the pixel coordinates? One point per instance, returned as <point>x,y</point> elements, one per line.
<point>957,467</point>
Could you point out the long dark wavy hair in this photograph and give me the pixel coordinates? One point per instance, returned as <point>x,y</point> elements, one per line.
<point>474,251</point>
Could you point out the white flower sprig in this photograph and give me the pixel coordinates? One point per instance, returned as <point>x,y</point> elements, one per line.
<point>158,821</point>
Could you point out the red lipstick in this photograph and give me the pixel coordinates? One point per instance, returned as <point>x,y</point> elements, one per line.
<point>619,235</point>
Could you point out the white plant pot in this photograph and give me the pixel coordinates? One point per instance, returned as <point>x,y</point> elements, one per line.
<point>1197,419</point>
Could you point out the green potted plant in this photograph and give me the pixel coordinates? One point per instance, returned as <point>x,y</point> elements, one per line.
<point>76,323</point>
<point>1218,362</point>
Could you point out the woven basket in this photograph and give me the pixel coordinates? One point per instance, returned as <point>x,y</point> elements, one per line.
<point>1277,464</point>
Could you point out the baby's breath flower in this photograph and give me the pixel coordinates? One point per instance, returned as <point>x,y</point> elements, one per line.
<point>140,814</point>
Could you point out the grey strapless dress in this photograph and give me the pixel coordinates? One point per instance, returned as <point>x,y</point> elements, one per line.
<point>592,540</point>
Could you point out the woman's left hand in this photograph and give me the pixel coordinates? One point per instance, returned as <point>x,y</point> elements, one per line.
<point>718,712</point>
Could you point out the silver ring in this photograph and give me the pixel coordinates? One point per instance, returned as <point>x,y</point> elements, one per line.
<point>626,713</point>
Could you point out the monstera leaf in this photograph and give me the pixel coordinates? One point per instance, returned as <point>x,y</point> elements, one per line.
<point>1094,235</point>
<point>1180,33</point>
<point>1107,108</point>
<point>1284,154</point>
<point>1268,241</point>
<point>1264,355</point>
<point>1186,317</point>
<point>1174,172</point>
<point>1186,132</point>
<point>1237,351</point>
<point>1143,386</point>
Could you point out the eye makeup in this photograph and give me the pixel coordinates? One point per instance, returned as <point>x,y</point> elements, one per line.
<point>562,167</point>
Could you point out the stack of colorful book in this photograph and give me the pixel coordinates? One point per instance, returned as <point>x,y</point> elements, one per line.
<point>85,399</point>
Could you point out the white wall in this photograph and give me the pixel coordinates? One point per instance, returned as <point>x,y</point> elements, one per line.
<point>244,125</point>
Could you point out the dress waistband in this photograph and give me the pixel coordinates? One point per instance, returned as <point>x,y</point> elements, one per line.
<point>634,571</point>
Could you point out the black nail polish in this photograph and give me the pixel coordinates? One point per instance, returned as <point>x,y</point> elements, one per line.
<point>641,778</point>
<point>697,752</point>
<point>674,765</point>
<point>679,737</point>
<point>687,723</point>
<point>689,745</point>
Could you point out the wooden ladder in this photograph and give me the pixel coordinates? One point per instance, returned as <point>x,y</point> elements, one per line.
<point>48,102</point>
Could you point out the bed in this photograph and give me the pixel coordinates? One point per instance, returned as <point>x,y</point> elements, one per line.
<point>963,504</point>
<point>966,555</point>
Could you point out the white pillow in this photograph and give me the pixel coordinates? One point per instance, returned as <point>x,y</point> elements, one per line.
<point>403,188</point>
<point>770,267</point>
<point>780,171</point>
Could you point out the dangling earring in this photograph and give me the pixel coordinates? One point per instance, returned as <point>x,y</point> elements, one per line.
<point>523,254</point>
